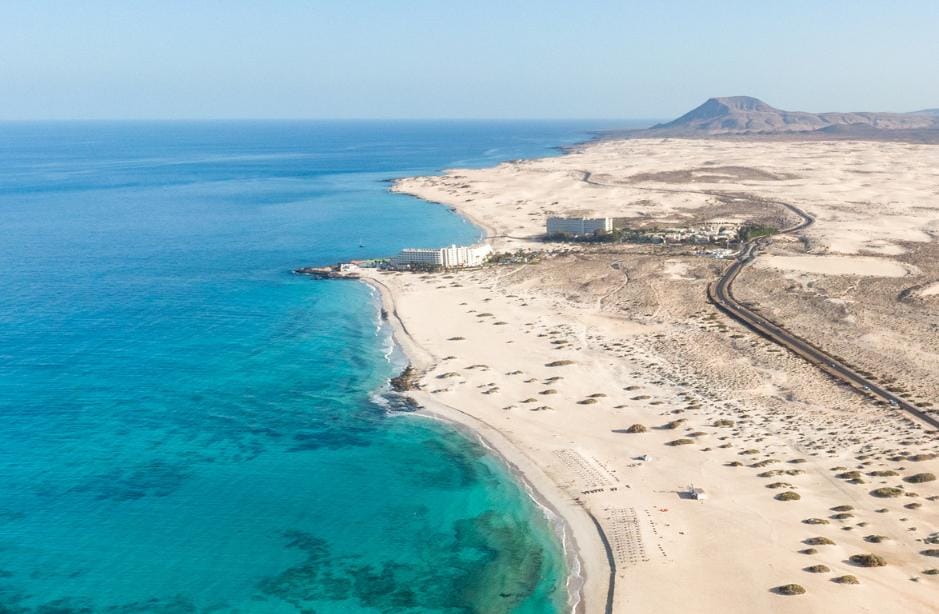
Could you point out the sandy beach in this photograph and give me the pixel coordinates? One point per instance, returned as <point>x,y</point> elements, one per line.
<point>605,378</point>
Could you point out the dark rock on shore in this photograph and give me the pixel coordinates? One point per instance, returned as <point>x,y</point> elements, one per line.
<point>407,380</point>
<point>324,273</point>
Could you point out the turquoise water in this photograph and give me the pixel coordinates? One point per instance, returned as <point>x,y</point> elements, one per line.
<point>187,427</point>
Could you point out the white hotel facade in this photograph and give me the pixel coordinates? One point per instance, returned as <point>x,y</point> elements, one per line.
<point>453,257</point>
<point>579,226</point>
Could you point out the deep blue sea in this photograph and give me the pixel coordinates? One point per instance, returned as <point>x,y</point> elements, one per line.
<point>185,426</point>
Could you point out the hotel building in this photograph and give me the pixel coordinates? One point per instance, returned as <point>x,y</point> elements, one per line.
<point>579,226</point>
<point>453,257</point>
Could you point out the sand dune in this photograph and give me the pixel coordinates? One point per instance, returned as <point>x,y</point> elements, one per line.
<point>604,375</point>
<point>863,266</point>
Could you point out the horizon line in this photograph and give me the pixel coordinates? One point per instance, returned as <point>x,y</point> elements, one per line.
<point>323,119</point>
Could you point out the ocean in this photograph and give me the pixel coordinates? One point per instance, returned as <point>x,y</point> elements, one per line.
<point>188,427</point>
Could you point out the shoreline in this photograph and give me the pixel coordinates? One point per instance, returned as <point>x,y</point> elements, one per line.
<point>708,405</point>
<point>574,526</point>
<point>488,233</point>
<point>587,552</point>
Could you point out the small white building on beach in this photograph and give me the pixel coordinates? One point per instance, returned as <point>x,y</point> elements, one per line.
<point>579,226</point>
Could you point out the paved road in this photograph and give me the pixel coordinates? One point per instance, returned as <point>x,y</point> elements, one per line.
<point>721,294</point>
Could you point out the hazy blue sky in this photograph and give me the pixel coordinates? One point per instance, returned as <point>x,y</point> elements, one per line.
<point>479,58</point>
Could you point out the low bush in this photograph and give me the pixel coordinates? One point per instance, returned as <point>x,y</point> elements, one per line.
<point>819,541</point>
<point>868,560</point>
<point>887,492</point>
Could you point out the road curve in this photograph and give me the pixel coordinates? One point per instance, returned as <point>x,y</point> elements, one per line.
<point>720,293</point>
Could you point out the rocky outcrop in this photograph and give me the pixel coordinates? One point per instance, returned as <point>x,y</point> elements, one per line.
<point>747,115</point>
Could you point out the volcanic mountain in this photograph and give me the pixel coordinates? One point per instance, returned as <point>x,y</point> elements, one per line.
<point>746,115</point>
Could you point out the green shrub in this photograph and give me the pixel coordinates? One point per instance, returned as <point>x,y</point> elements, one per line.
<point>887,492</point>
<point>819,541</point>
<point>787,496</point>
<point>790,589</point>
<point>868,560</point>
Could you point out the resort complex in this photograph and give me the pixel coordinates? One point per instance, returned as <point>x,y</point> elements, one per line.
<point>610,229</point>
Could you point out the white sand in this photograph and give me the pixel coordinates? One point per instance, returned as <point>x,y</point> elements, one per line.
<point>866,196</point>
<point>930,290</point>
<point>838,265</point>
<point>647,349</point>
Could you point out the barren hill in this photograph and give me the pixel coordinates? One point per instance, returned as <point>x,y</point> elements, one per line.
<point>746,115</point>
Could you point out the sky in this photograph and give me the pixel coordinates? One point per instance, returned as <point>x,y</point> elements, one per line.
<point>194,59</point>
